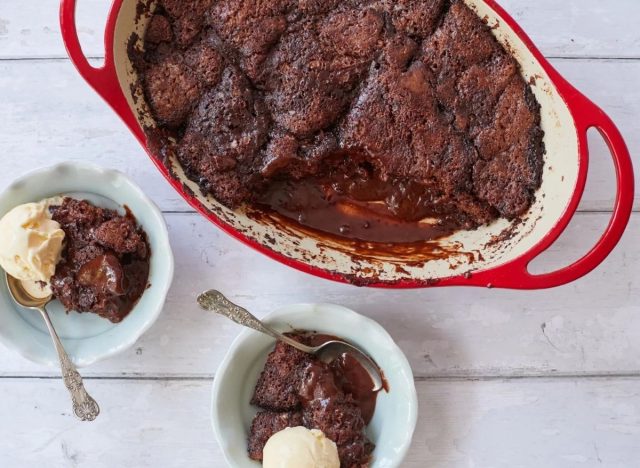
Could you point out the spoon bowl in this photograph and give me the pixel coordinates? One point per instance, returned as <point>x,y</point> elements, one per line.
<point>215,301</point>
<point>22,296</point>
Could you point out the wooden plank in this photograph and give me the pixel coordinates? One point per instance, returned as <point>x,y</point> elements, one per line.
<point>551,423</point>
<point>31,28</point>
<point>590,326</point>
<point>54,116</point>
<point>505,378</point>
<point>579,28</point>
<point>571,28</point>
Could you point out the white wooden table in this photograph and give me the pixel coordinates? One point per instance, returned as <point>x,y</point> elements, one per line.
<point>505,379</point>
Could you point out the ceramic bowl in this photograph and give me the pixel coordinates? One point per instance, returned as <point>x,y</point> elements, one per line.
<point>394,420</point>
<point>87,337</point>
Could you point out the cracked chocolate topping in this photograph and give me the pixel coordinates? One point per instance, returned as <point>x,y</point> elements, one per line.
<point>391,121</point>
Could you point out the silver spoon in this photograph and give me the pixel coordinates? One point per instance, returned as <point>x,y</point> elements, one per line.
<point>84,407</point>
<point>215,301</point>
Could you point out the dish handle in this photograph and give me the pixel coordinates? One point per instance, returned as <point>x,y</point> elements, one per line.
<point>104,79</point>
<point>587,115</point>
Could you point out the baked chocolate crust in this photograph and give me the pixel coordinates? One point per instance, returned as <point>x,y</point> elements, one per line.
<point>104,267</point>
<point>409,93</point>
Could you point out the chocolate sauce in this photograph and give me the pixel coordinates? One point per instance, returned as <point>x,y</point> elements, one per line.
<point>355,380</point>
<point>296,388</point>
<point>367,210</point>
<point>344,375</point>
<point>104,273</point>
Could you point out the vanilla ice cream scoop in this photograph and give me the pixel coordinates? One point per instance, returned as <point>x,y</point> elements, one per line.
<point>299,447</point>
<point>30,242</point>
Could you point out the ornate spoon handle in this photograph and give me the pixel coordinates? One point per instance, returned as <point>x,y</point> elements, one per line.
<point>216,301</point>
<point>84,406</point>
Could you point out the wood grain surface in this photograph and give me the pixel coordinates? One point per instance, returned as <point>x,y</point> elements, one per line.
<point>505,379</point>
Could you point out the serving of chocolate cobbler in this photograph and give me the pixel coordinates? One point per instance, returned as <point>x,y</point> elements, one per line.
<point>385,121</point>
<point>104,267</point>
<point>296,389</point>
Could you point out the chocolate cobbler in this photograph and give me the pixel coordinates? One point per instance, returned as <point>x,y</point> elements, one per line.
<point>104,267</point>
<point>296,389</point>
<point>361,118</point>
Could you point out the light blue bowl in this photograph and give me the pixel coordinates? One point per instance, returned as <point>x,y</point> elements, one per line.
<point>87,337</point>
<point>394,419</point>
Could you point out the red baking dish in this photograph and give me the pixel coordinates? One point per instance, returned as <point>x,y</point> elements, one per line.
<point>497,255</point>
